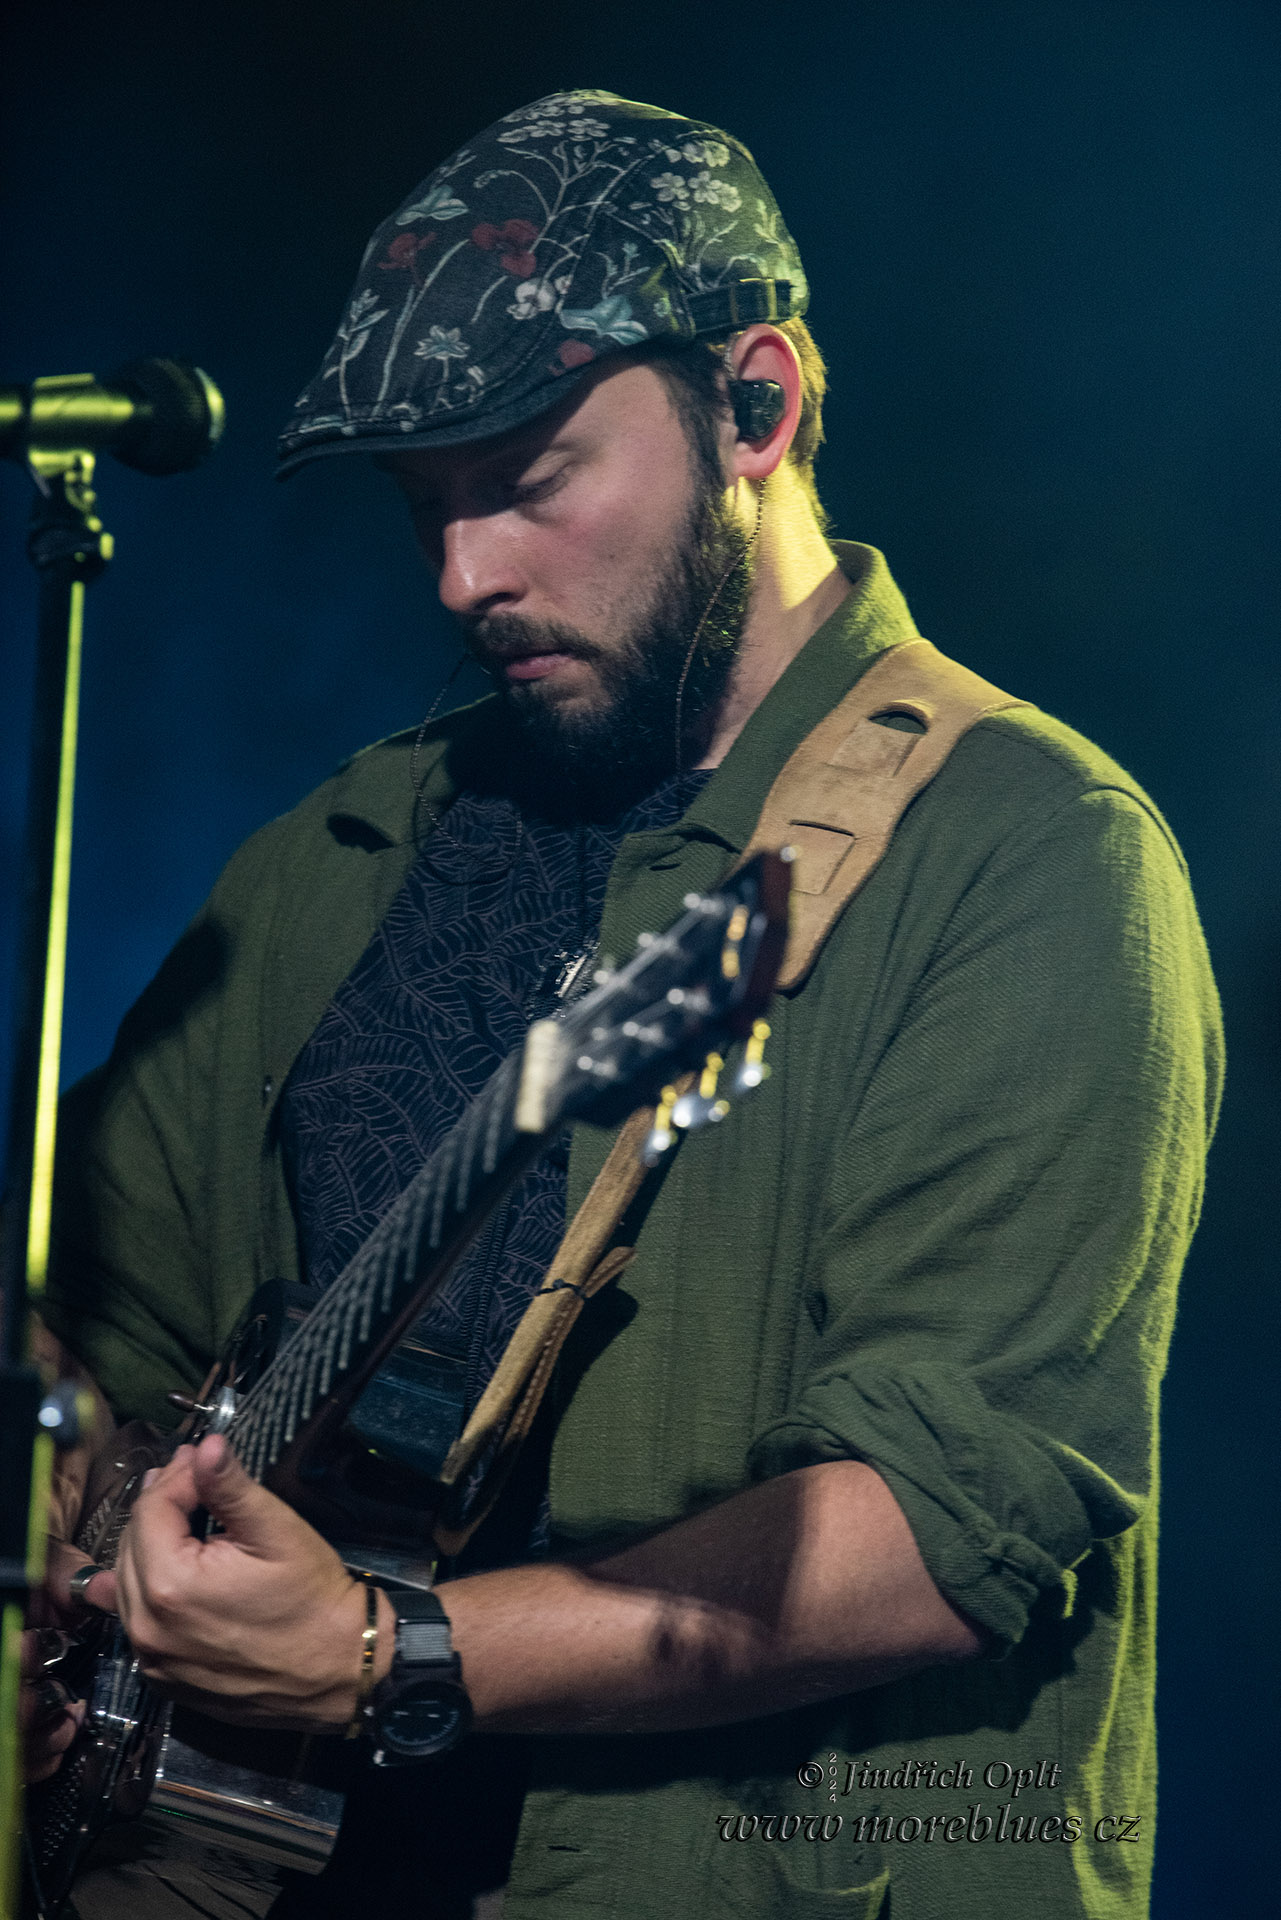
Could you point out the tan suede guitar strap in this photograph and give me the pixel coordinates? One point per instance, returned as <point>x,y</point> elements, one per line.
<point>837,803</point>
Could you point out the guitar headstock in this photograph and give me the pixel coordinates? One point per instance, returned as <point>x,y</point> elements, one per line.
<point>685,996</point>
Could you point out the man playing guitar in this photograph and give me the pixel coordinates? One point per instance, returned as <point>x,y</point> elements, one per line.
<point>853,1470</point>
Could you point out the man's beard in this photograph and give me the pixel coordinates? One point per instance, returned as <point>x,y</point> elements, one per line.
<point>590,762</point>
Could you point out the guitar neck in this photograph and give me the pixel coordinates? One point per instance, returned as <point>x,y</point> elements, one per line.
<point>391,1279</point>
<point>699,984</point>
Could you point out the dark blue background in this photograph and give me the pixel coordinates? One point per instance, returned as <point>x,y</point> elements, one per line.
<point>1043,242</point>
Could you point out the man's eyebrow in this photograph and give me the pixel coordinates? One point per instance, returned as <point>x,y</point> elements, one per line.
<point>527,444</point>
<point>523,451</point>
<point>517,454</point>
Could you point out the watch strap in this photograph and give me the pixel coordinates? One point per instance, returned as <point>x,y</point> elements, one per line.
<point>422,1631</point>
<point>424,1662</point>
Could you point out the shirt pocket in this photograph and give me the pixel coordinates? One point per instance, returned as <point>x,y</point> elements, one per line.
<point>797,1880</point>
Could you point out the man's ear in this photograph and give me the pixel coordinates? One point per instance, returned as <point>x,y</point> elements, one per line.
<point>765,392</point>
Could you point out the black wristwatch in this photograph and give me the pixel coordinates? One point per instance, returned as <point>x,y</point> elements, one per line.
<point>421,1708</point>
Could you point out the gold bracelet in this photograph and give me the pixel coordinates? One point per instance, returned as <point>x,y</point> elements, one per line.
<point>369,1646</point>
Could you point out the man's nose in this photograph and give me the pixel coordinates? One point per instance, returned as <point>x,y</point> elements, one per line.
<point>479,571</point>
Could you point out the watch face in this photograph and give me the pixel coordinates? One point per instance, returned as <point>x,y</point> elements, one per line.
<point>425,1717</point>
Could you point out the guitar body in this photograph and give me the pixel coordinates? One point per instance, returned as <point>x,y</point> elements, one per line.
<point>333,1404</point>
<point>162,1782</point>
<point>109,1771</point>
<point>200,1794</point>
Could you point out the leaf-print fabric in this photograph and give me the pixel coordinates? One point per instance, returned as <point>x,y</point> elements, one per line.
<point>573,228</point>
<point>444,991</point>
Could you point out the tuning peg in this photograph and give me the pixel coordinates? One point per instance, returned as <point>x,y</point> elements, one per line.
<point>185,1404</point>
<point>696,1108</point>
<point>738,923</point>
<point>660,1136</point>
<point>753,1068</point>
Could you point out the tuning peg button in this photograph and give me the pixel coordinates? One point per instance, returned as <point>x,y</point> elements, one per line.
<point>753,1068</point>
<point>660,1136</point>
<point>697,1107</point>
<point>692,1111</point>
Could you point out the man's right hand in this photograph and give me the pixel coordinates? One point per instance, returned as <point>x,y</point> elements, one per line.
<point>48,1717</point>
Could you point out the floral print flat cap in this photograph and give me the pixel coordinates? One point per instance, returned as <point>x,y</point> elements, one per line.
<point>574,228</point>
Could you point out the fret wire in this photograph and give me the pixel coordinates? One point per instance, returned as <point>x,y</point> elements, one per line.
<point>403,1237</point>
<point>311,1373</point>
<point>289,1399</point>
<point>276,1416</point>
<point>264,1437</point>
<point>353,1303</point>
<point>346,1332</point>
<point>285,1420</point>
<point>389,1278</point>
<point>290,1409</point>
<point>264,1416</point>
<point>260,1419</point>
<point>472,1126</point>
<point>295,1359</point>
<point>256,1404</point>
<point>365,1306</point>
<point>328,1343</point>
<point>498,1109</point>
<point>442,1188</point>
<point>241,1436</point>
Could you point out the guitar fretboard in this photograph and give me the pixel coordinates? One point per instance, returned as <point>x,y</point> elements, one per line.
<point>379,1288</point>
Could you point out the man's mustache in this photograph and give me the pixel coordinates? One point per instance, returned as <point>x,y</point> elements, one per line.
<point>494,641</point>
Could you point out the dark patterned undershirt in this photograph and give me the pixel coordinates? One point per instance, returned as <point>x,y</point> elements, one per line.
<point>467,956</point>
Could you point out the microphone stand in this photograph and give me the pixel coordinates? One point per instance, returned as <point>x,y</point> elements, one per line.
<point>69,548</point>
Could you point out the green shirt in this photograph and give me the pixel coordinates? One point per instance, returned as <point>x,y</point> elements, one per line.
<point>943,1239</point>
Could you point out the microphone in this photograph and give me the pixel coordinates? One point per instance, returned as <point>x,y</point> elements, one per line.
<point>157,416</point>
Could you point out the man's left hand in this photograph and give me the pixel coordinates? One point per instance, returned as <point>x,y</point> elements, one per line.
<point>260,1623</point>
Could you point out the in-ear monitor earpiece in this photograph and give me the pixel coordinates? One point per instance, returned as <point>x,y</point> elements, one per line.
<point>758,406</point>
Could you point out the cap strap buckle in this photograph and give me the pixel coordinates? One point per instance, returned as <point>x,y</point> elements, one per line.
<point>740,304</point>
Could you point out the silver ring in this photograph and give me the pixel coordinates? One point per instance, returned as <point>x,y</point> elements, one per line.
<point>80,1580</point>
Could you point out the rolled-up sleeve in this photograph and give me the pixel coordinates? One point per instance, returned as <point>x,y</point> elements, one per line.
<point>1008,1210</point>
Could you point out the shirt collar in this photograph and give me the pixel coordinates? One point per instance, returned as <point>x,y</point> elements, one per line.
<point>393,792</point>
<point>869,620</point>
